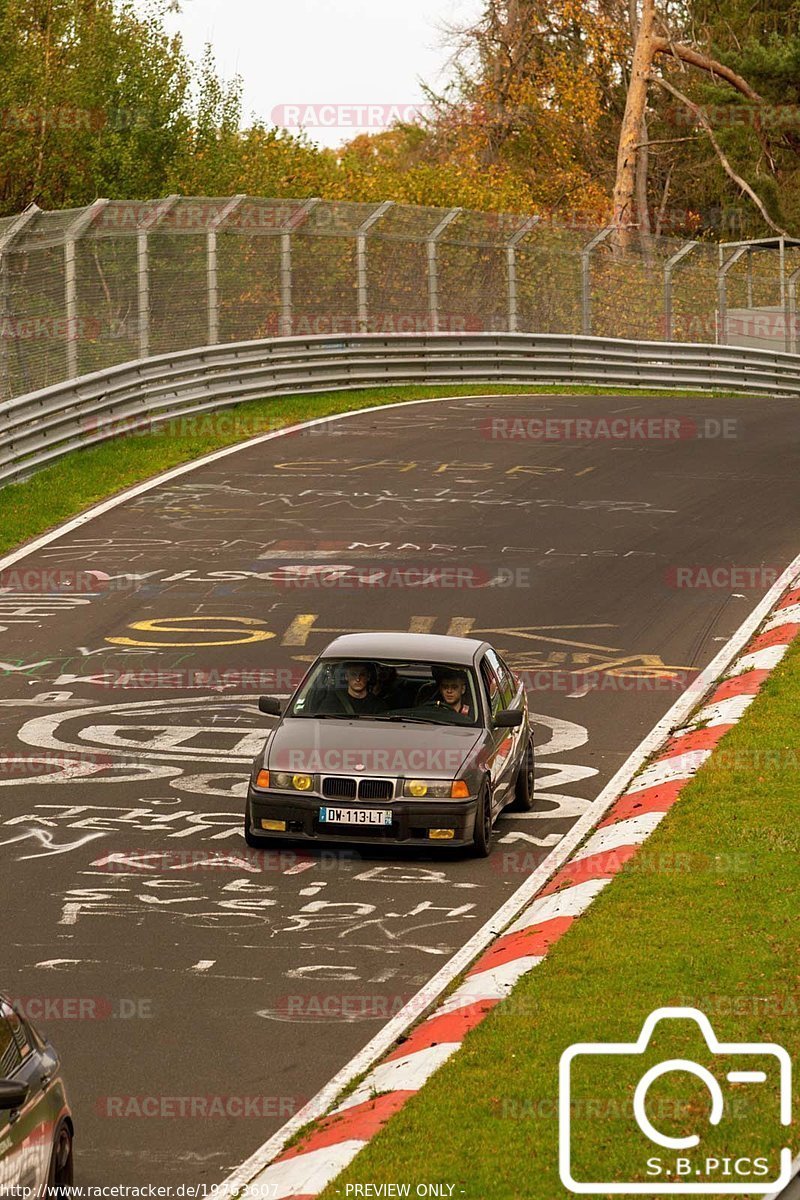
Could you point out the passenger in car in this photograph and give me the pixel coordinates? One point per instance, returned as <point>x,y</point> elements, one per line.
<point>356,699</point>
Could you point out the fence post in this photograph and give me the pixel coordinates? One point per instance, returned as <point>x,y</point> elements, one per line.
<point>73,235</point>
<point>511,265</point>
<point>668,269</point>
<point>6,241</point>
<point>211,266</point>
<point>163,207</point>
<point>586,277</point>
<point>433,266</point>
<point>722,290</point>
<point>791,313</point>
<point>297,218</point>
<point>361,262</point>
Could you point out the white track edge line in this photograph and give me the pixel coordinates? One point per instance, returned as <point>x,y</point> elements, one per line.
<point>411,1012</point>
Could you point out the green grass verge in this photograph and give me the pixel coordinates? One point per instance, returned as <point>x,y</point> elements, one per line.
<point>707,915</point>
<point>85,477</point>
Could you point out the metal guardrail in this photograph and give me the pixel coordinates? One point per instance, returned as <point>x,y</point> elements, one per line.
<point>39,428</point>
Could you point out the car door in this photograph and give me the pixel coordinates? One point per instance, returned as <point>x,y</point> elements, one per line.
<point>26,1135</point>
<point>510,698</point>
<point>501,742</point>
<point>515,690</point>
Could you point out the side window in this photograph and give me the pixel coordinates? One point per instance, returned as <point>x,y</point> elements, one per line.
<point>504,681</point>
<point>19,1033</point>
<point>10,1057</point>
<point>508,675</point>
<point>491,683</point>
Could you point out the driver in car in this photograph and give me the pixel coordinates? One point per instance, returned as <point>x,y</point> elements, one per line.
<point>452,687</point>
<point>358,699</point>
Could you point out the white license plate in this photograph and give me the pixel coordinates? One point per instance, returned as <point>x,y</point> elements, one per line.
<point>355,816</point>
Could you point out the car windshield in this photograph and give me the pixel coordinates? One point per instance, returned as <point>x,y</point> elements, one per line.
<point>379,690</point>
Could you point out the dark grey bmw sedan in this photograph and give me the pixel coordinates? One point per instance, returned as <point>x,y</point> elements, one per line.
<point>399,738</point>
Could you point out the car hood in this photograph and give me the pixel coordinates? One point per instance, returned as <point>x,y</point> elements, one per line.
<point>334,747</point>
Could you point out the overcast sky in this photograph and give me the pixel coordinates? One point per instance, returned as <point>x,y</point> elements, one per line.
<point>333,55</point>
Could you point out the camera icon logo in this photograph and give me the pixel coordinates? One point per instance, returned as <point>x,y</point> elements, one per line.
<point>753,1065</point>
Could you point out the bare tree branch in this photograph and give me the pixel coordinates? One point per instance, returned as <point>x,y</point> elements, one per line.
<point>663,207</point>
<point>688,54</point>
<point>701,118</point>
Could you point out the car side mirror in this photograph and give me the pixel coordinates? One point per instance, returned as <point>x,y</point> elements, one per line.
<point>508,718</point>
<point>270,706</point>
<point>12,1095</point>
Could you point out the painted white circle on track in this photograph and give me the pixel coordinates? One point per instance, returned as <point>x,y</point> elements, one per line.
<point>110,728</point>
<point>564,735</point>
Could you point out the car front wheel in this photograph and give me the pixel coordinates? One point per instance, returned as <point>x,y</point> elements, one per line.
<point>61,1165</point>
<point>249,836</point>
<point>482,837</point>
<point>523,788</point>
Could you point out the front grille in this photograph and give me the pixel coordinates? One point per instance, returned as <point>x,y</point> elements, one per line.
<point>339,788</point>
<point>375,789</point>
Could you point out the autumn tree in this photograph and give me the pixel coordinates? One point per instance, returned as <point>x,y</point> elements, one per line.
<point>665,57</point>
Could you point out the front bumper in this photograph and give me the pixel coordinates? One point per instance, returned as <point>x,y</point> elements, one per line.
<point>412,820</point>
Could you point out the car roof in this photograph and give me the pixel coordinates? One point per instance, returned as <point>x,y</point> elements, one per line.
<point>429,647</point>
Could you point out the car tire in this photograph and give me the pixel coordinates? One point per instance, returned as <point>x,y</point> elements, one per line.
<point>482,837</point>
<point>523,788</point>
<point>61,1172</point>
<point>251,839</point>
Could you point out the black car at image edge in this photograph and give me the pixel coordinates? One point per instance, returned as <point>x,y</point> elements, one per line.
<point>36,1129</point>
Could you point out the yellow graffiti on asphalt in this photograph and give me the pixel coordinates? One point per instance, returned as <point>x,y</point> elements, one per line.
<point>527,647</point>
<point>571,653</point>
<point>240,631</point>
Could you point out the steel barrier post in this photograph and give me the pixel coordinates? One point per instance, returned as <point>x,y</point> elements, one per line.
<point>297,218</point>
<point>73,235</point>
<point>511,265</point>
<point>586,278</point>
<point>433,266</point>
<point>211,266</point>
<point>10,236</point>
<point>361,262</point>
<point>670,266</point>
<point>161,210</point>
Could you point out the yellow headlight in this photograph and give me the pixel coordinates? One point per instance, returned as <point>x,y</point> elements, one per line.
<point>417,788</point>
<point>302,783</point>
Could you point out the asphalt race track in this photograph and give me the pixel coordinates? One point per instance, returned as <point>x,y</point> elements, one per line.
<point>198,992</point>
